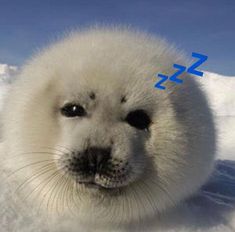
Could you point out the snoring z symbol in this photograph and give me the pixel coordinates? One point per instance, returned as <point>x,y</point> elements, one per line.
<point>180,70</point>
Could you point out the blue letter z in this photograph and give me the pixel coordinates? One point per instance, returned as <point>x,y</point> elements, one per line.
<point>158,84</point>
<point>202,59</point>
<point>181,70</point>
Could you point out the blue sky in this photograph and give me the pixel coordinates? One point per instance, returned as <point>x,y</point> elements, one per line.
<point>206,27</point>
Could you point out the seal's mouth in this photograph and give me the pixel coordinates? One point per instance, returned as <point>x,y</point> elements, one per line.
<point>95,188</point>
<point>92,185</point>
<point>95,185</point>
<point>112,174</point>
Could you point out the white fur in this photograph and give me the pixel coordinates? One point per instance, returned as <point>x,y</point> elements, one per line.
<point>169,163</point>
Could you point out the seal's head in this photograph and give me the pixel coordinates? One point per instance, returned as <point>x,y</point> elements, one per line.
<point>95,138</point>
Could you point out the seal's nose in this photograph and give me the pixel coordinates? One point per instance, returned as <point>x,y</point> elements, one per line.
<point>96,158</point>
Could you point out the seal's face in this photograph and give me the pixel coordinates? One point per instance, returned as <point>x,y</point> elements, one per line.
<point>105,127</point>
<point>105,138</point>
<point>98,138</point>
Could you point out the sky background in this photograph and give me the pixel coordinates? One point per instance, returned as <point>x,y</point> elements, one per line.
<point>206,27</point>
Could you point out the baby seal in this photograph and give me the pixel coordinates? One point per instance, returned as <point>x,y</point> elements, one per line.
<point>94,141</point>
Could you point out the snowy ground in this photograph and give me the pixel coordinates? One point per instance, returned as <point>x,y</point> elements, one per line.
<point>6,72</point>
<point>221,93</point>
<point>215,201</point>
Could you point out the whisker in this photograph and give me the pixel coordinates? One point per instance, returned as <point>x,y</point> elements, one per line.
<point>139,198</point>
<point>66,150</point>
<point>164,190</point>
<point>48,179</point>
<point>56,193</point>
<point>65,197</point>
<point>68,194</point>
<point>62,195</point>
<point>38,174</point>
<point>53,186</point>
<point>28,165</point>
<point>74,192</point>
<point>34,152</point>
<point>136,200</point>
<point>56,196</point>
<point>39,207</point>
<point>53,176</point>
<point>149,196</point>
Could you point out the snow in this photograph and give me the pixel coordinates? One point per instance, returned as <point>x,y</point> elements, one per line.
<point>7,74</point>
<point>212,209</point>
<point>7,71</point>
<point>221,95</point>
<point>220,91</point>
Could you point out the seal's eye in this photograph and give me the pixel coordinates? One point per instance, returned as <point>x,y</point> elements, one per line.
<point>72,110</point>
<point>138,119</point>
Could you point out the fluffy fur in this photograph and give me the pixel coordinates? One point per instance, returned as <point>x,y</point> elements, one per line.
<point>168,162</point>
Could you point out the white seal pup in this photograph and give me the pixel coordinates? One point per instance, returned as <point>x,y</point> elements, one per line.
<point>90,139</point>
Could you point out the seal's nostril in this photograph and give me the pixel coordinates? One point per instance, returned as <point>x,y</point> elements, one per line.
<point>97,157</point>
